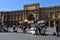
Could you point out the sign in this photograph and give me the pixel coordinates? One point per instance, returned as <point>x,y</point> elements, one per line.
<point>31,8</point>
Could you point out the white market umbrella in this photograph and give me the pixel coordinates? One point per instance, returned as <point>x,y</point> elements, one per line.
<point>41,21</point>
<point>25,20</point>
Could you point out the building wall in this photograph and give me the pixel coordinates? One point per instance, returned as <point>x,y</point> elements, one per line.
<point>48,13</point>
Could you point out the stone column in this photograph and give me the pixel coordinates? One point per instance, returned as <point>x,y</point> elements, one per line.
<point>19,17</point>
<point>37,16</point>
<point>16,17</point>
<point>49,23</point>
<point>54,24</point>
<point>34,16</point>
<point>10,20</point>
<point>3,19</point>
<point>23,16</point>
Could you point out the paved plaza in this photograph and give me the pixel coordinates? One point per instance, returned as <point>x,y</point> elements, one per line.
<point>24,36</point>
<point>27,36</point>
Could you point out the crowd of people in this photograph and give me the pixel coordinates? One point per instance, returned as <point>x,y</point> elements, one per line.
<point>41,29</point>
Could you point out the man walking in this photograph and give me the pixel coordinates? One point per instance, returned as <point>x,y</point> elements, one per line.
<point>57,30</point>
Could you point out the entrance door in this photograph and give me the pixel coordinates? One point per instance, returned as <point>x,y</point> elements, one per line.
<point>30,17</point>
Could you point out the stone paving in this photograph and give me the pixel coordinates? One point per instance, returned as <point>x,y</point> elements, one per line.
<point>27,36</point>
<point>24,36</point>
<point>49,30</point>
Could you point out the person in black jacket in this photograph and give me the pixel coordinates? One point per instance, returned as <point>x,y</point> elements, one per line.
<point>57,30</point>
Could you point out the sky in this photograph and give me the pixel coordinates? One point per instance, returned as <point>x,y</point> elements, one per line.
<point>10,5</point>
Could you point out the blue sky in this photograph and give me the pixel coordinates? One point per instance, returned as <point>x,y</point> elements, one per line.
<point>9,5</point>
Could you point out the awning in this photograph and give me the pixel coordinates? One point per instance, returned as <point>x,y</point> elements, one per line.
<point>41,21</point>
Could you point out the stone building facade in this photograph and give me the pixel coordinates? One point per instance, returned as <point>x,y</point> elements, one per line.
<point>32,12</point>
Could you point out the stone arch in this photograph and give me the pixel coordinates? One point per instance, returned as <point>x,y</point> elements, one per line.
<point>31,16</point>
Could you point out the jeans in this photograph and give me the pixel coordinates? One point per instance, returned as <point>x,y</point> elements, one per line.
<point>57,33</point>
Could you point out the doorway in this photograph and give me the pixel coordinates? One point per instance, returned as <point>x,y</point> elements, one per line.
<point>30,17</point>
